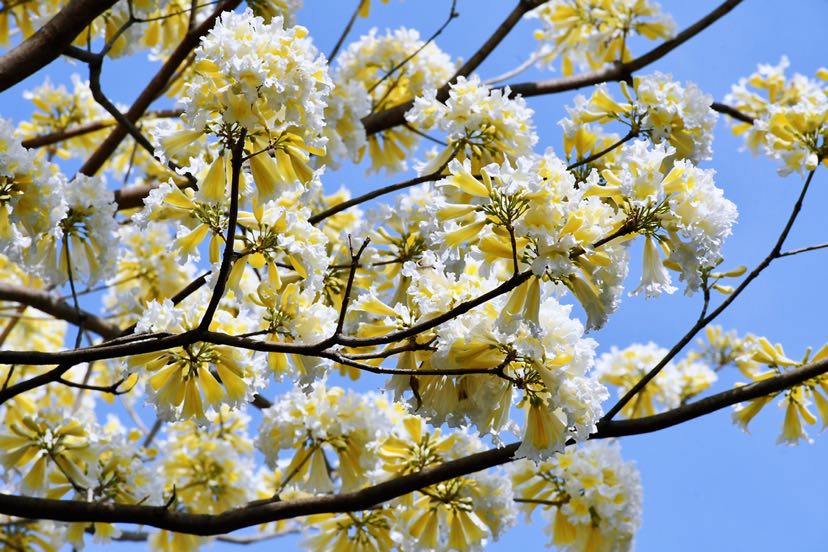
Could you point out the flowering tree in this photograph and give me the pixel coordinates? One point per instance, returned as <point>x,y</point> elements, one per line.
<point>226,273</point>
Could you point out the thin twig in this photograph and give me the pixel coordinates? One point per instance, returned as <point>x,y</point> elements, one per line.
<point>803,250</point>
<point>452,14</point>
<point>630,135</point>
<point>345,32</point>
<point>531,60</point>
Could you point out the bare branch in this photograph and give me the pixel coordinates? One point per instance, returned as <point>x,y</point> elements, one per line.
<point>43,47</point>
<point>436,175</point>
<point>707,405</point>
<point>731,112</point>
<point>88,128</point>
<point>345,32</point>
<point>803,250</point>
<point>46,302</point>
<point>270,511</point>
<point>629,136</point>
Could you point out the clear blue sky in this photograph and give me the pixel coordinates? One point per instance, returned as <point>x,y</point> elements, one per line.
<point>707,485</point>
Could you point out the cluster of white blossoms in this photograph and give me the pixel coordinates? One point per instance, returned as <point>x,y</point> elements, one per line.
<point>261,83</point>
<point>790,116</point>
<point>539,205</point>
<point>674,384</point>
<point>481,123</point>
<point>546,359</point>
<point>681,212</point>
<point>588,34</point>
<point>59,109</point>
<point>146,270</point>
<point>324,421</point>
<point>384,70</point>
<point>28,333</point>
<point>657,107</point>
<point>187,382</point>
<point>591,497</point>
<point>338,439</point>
<point>51,226</point>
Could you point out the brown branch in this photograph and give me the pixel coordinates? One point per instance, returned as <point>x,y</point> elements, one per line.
<point>266,512</point>
<point>227,257</point>
<point>345,32</point>
<point>154,88</point>
<point>707,405</point>
<point>343,310</point>
<point>47,303</point>
<point>597,155</point>
<point>58,136</point>
<point>623,71</point>
<point>452,14</point>
<point>493,371</point>
<point>111,389</point>
<point>157,342</point>
<point>48,42</point>
<point>803,250</point>
<point>239,518</point>
<point>319,217</point>
<point>731,111</point>
<point>395,116</point>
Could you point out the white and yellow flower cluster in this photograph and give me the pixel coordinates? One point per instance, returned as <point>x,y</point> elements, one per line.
<point>480,123</point>
<point>51,226</point>
<point>674,384</point>
<point>790,116</point>
<point>365,68</point>
<point>588,34</point>
<point>591,497</point>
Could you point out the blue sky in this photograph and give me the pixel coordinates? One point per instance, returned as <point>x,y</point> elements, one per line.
<point>707,485</point>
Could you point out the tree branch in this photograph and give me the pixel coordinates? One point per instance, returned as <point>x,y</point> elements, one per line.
<point>58,136</point>
<point>227,256</point>
<point>266,512</point>
<point>395,116</point>
<point>48,42</point>
<point>731,111</point>
<point>47,303</point>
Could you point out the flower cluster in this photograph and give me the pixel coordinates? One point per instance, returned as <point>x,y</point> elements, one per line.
<point>259,81</point>
<point>657,107</point>
<point>482,124</point>
<point>56,228</point>
<point>58,109</point>
<point>460,514</point>
<point>678,209</point>
<point>790,116</point>
<point>591,497</point>
<point>322,422</point>
<point>372,67</point>
<point>795,400</point>
<point>588,34</point>
<point>185,382</point>
<point>146,270</point>
<point>674,384</point>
